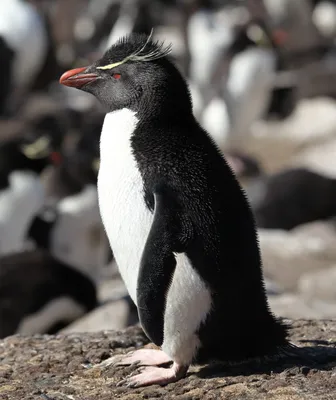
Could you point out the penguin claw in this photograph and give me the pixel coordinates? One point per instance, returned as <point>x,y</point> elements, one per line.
<point>122,382</point>
<point>112,361</point>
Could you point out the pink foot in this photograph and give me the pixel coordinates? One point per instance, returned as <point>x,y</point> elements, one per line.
<point>140,357</point>
<point>155,376</point>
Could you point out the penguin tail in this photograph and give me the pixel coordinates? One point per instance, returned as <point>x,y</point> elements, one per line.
<point>295,353</point>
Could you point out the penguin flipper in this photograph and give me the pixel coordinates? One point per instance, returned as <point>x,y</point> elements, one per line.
<point>167,235</point>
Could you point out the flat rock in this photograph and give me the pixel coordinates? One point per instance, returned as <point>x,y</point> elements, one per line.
<point>114,315</point>
<point>60,368</point>
<point>319,158</point>
<point>320,285</point>
<point>276,144</point>
<point>111,289</point>
<point>288,255</point>
<point>292,305</point>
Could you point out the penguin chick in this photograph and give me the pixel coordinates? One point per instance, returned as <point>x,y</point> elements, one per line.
<point>181,229</point>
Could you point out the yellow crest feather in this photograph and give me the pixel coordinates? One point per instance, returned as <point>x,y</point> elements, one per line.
<point>110,66</point>
<point>38,149</point>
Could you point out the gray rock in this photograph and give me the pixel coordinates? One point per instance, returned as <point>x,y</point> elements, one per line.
<point>288,255</point>
<point>272,288</point>
<point>319,285</point>
<point>293,306</point>
<point>111,316</point>
<point>111,289</point>
<point>277,144</point>
<point>319,157</point>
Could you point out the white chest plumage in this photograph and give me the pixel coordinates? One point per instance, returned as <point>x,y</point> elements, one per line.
<point>78,237</point>
<point>126,219</point>
<point>18,205</point>
<point>24,32</point>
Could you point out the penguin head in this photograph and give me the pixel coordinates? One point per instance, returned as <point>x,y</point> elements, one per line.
<point>134,73</point>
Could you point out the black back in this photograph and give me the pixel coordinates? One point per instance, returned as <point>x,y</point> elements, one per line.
<point>7,58</point>
<point>294,197</point>
<point>224,248</point>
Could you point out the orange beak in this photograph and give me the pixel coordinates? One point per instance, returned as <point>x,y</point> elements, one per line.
<point>76,78</point>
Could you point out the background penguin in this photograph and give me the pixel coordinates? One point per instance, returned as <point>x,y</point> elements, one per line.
<point>70,249</point>
<point>242,83</point>
<point>22,159</point>
<point>7,57</point>
<point>185,241</point>
<point>23,32</point>
<point>76,236</point>
<point>293,197</point>
<point>284,199</point>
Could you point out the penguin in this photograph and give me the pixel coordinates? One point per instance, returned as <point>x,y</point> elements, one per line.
<point>324,17</point>
<point>180,227</point>
<point>22,159</point>
<point>76,237</point>
<point>242,82</point>
<point>7,58</point>
<point>25,152</point>
<point>24,39</point>
<point>76,164</point>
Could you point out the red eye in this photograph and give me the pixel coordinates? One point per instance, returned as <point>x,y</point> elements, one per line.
<point>116,76</point>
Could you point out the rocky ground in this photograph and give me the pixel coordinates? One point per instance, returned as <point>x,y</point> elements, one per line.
<point>65,367</point>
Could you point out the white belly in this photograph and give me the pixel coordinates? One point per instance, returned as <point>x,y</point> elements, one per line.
<point>126,219</point>
<point>19,203</point>
<point>23,30</point>
<point>78,238</point>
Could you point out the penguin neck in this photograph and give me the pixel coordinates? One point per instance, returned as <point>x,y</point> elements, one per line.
<point>166,109</point>
<point>160,131</point>
<point>158,112</point>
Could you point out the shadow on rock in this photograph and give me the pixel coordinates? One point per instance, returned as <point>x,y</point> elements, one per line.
<point>307,359</point>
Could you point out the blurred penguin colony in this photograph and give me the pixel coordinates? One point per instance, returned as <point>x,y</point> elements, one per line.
<point>257,71</point>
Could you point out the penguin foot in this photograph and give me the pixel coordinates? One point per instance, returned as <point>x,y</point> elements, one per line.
<point>140,357</point>
<point>155,376</point>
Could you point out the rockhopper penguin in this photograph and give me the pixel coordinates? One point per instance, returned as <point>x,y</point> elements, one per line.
<point>179,224</point>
